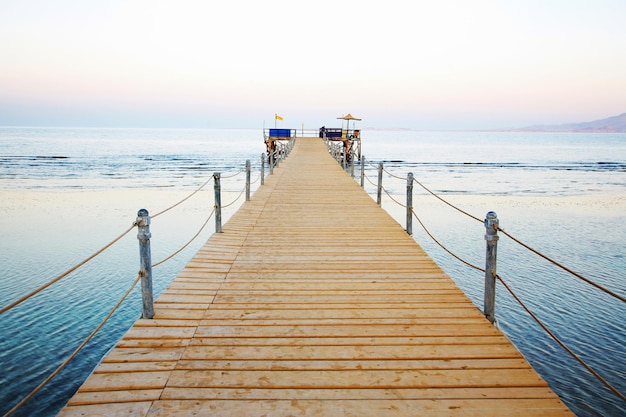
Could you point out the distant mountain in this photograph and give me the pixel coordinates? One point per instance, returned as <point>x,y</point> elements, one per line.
<point>608,125</point>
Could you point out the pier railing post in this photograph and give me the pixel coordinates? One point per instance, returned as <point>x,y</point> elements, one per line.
<point>379,193</point>
<point>217,187</point>
<point>491,237</point>
<point>145,262</point>
<point>271,162</point>
<point>352,164</point>
<point>362,171</point>
<point>409,203</point>
<point>248,180</point>
<point>262,168</point>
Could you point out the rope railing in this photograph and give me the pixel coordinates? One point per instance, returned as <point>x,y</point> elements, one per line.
<point>74,353</point>
<point>236,198</point>
<point>188,243</point>
<point>527,309</point>
<point>559,342</point>
<point>444,247</point>
<point>184,199</point>
<point>393,198</point>
<point>563,267</point>
<point>256,179</point>
<point>233,175</point>
<point>142,223</point>
<point>392,175</point>
<point>370,180</point>
<point>446,202</point>
<point>490,269</point>
<point>66,273</point>
<point>535,251</point>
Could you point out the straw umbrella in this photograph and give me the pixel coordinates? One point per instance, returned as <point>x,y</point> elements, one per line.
<point>348,117</point>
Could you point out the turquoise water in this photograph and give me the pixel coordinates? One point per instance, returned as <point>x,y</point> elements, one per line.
<point>556,192</point>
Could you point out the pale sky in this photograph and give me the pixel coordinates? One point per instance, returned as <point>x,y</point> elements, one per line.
<point>440,64</point>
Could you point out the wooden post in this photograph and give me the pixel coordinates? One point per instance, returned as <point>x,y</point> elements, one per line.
<point>218,202</point>
<point>491,237</point>
<point>145,262</point>
<point>379,194</point>
<point>409,203</point>
<point>362,171</point>
<point>263,169</point>
<point>248,180</point>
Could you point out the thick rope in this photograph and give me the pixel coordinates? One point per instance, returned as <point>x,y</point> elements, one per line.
<point>76,351</point>
<point>66,273</point>
<point>231,176</point>
<point>577,275</point>
<point>392,198</point>
<point>442,246</point>
<point>444,201</point>
<point>188,243</point>
<point>392,175</point>
<point>184,199</point>
<point>557,340</point>
<point>235,200</point>
<point>367,162</point>
<point>370,181</point>
<point>258,177</point>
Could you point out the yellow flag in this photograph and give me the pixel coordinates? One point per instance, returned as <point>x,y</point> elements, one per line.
<point>278,117</point>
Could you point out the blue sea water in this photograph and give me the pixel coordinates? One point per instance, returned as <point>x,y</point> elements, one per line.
<point>561,193</point>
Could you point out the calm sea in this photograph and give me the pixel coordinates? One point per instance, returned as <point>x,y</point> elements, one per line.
<point>561,193</point>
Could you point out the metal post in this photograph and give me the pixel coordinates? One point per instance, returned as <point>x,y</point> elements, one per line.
<point>352,164</point>
<point>248,180</point>
<point>262,168</point>
<point>218,202</point>
<point>409,203</point>
<point>271,162</point>
<point>145,262</point>
<point>362,171</point>
<point>379,193</point>
<point>491,237</point>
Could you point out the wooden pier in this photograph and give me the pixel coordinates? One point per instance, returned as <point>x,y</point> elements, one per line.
<point>314,302</point>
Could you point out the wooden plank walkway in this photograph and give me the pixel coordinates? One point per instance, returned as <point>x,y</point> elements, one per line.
<point>314,302</point>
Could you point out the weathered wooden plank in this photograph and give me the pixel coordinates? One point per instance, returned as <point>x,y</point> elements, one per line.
<point>127,354</point>
<point>357,364</point>
<point>352,352</point>
<point>346,313</point>
<point>139,332</point>
<point>385,340</point>
<point>186,393</point>
<point>330,298</point>
<point>351,407</point>
<point>108,410</point>
<point>118,381</point>
<point>109,398</point>
<point>385,324</point>
<point>470,327</point>
<point>316,306</point>
<point>152,343</point>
